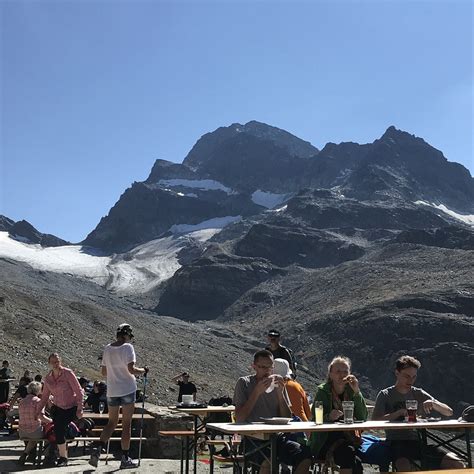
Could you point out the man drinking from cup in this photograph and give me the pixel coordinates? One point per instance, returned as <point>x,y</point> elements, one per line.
<point>263,395</point>
<point>403,401</point>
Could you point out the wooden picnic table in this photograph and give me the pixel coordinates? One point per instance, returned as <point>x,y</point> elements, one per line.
<point>199,423</point>
<point>105,416</point>
<point>269,432</point>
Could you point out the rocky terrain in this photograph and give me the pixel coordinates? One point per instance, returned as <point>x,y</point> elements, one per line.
<point>364,250</point>
<point>42,312</point>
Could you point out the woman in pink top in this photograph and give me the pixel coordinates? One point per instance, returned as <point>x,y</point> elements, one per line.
<point>31,418</point>
<point>68,395</point>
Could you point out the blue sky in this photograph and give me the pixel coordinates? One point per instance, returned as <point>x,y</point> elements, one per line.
<point>92,92</point>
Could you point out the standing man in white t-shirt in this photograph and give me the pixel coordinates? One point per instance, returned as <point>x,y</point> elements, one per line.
<point>118,366</point>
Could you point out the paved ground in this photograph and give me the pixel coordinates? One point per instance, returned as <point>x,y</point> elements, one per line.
<point>11,448</point>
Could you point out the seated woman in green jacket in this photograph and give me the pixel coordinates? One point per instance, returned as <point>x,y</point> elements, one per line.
<point>340,386</point>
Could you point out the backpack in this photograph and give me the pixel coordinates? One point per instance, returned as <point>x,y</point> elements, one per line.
<point>85,425</point>
<point>71,432</point>
<point>224,417</point>
<point>468,414</point>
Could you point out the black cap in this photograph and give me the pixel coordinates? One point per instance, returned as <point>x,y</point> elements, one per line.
<point>274,333</point>
<point>125,330</point>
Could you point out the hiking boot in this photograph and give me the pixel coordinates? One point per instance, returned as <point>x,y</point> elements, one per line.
<point>21,461</point>
<point>95,455</point>
<point>31,456</point>
<point>128,463</point>
<point>62,462</point>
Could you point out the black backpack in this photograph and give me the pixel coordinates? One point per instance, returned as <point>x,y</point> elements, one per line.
<point>85,425</point>
<point>468,414</point>
<point>219,417</point>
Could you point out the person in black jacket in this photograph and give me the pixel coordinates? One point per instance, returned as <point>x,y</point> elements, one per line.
<point>98,394</point>
<point>5,376</point>
<point>278,351</point>
<point>185,386</point>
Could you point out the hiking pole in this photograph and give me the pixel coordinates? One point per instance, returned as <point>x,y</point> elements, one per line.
<point>145,380</point>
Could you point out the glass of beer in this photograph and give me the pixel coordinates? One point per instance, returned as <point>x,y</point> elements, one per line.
<point>318,413</point>
<point>412,407</point>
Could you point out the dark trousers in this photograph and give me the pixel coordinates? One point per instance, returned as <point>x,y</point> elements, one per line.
<point>62,418</point>
<point>4,391</point>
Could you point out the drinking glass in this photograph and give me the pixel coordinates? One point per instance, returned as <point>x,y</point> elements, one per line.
<point>101,407</point>
<point>318,413</point>
<point>412,408</point>
<point>348,410</point>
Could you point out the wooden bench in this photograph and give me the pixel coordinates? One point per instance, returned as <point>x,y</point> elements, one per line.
<point>184,436</point>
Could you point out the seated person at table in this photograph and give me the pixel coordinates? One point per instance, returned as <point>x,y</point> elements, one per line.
<point>98,394</point>
<point>405,446</point>
<point>342,446</point>
<point>21,391</point>
<point>31,418</point>
<point>298,399</point>
<point>252,401</point>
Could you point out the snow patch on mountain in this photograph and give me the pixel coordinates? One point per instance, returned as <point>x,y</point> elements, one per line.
<point>204,184</point>
<point>146,266</point>
<point>466,218</point>
<point>71,259</point>
<point>269,200</point>
<point>215,224</point>
<point>137,271</point>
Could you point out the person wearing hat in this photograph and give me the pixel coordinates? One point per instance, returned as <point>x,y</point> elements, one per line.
<point>185,386</point>
<point>118,366</point>
<point>299,401</point>
<point>278,351</point>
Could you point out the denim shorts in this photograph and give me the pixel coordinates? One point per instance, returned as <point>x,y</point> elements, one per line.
<point>120,401</point>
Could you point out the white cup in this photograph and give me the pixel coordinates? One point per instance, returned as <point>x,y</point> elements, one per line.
<point>272,385</point>
<point>187,399</point>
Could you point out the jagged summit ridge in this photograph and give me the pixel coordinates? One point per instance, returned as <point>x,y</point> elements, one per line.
<point>204,147</point>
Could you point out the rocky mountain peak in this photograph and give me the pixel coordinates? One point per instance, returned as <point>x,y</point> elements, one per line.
<point>24,231</point>
<point>208,144</point>
<point>5,223</point>
<point>394,136</point>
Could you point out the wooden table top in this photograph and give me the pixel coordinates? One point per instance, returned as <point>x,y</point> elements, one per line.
<point>205,410</point>
<point>310,426</point>
<point>105,416</point>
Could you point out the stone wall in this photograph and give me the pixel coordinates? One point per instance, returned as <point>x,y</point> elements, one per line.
<point>165,419</point>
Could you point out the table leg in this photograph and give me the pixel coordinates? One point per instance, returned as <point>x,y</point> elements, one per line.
<point>424,445</point>
<point>273,454</point>
<point>187,454</point>
<point>468,447</point>
<point>195,444</point>
<point>181,461</point>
